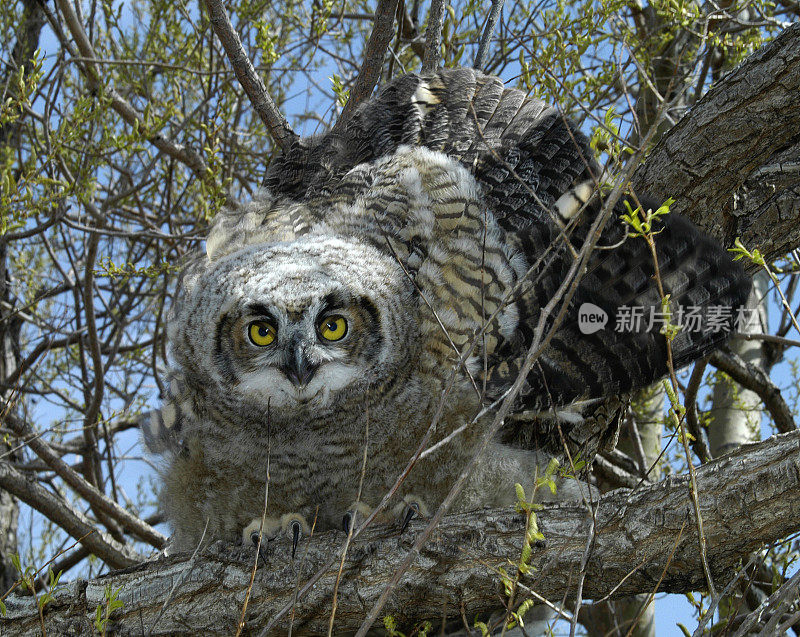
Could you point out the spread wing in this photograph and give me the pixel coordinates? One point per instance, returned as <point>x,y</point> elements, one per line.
<point>539,179</point>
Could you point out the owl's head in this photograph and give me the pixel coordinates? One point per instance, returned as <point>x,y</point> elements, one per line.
<point>294,325</point>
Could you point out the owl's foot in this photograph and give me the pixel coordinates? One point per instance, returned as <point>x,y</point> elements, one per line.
<point>293,523</point>
<point>410,507</point>
<point>356,508</point>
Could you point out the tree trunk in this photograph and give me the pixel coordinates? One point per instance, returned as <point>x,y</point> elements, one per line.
<point>27,42</point>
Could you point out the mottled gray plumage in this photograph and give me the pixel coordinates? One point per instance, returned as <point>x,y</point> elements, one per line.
<point>443,206</point>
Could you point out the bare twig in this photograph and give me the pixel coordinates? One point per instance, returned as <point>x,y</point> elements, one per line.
<point>488,32</point>
<point>374,52</point>
<point>673,382</point>
<point>258,554</point>
<point>776,601</point>
<point>690,402</point>
<point>615,475</point>
<point>251,82</point>
<point>658,583</point>
<point>185,572</point>
<point>350,529</point>
<point>636,443</point>
<point>590,539</point>
<point>754,379</point>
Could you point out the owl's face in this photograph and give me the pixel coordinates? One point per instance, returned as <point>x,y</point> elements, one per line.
<point>294,326</point>
<point>301,354</point>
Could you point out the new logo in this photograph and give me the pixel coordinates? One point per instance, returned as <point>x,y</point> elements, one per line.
<point>591,318</point>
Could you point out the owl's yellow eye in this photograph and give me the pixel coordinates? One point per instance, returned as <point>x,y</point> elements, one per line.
<point>261,333</point>
<point>333,328</point>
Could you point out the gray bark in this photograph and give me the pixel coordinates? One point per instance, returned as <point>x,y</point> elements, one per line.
<point>742,136</point>
<point>27,42</point>
<point>618,616</point>
<point>748,498</point>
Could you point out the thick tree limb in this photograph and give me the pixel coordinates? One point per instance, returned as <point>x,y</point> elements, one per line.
<point>739,128</point>
<point>748,498</point>
<point>251,82</point>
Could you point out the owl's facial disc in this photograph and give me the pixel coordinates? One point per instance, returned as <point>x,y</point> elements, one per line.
<point>300,356</point>
<point>298,326</point>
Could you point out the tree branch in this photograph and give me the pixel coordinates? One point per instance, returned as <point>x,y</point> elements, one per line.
<point>754,379</point>
<point>433,37</point>
<point>181,153</point>
<point>71,520</point>
<point>251,82</point>
<point>727,137</point>
<point>375,51</point>
<point>89,492</point>
<point>488,32</point>
<point>754,491</point>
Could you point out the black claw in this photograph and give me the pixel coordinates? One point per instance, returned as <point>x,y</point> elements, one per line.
<point>411,511</point>
<point>296,528</point>
<point>347,521</point>
<point>261,553</point>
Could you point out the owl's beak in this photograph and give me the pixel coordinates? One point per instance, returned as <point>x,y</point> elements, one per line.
<point>299,369</point>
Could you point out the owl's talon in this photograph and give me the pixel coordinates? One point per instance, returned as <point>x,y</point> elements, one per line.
<point>261,551</point>
<point>251,532</point>
<point>296,528</point>
<point>349,517</point>
<point>411,511</point>
<point>408,509</point>
<point>292,522</point>
<point>347,521</point>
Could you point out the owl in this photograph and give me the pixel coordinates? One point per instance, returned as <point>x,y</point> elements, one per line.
<point>387,282</point>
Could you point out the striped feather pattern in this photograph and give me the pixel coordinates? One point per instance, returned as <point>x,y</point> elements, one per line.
<point>443,215</point>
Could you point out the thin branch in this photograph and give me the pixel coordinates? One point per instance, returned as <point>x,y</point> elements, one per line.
<point>374,53</point>
<point>182,153</point>
<point>433,37</point>
<point>613,474</point>
<point>636,443</point>
<point>699,444</point>
<point>64,515</point>
<point>754,379</point>
<point>130,522</point>
<point>488,32</point>
<point>251,82</point>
